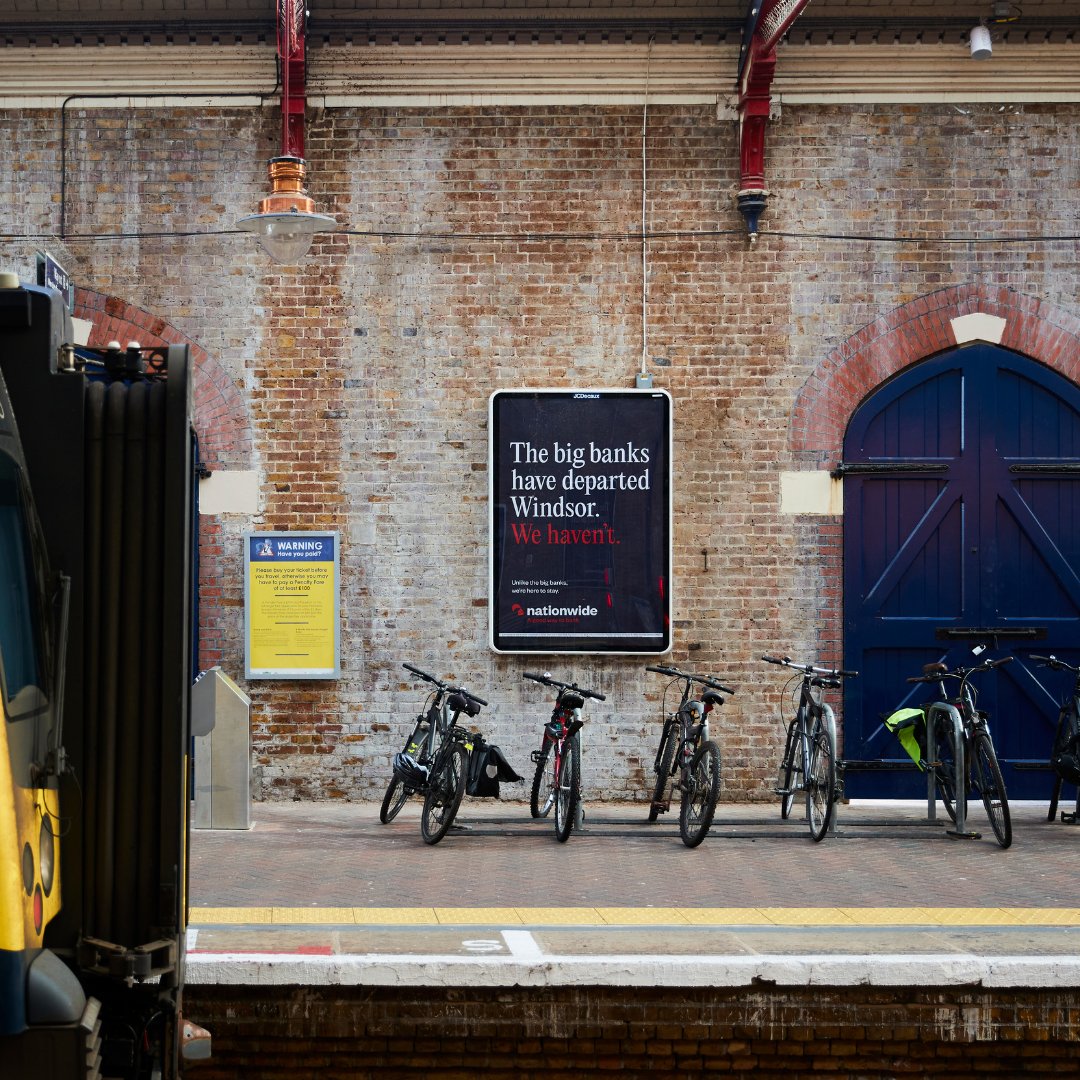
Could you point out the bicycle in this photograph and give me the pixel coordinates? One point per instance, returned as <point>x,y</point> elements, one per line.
<point>562,742</point>
<point>686,751</point>
<point>1065,751</point>
<point>969,752</point>
<point>809,760</point>
<point>435,759</point>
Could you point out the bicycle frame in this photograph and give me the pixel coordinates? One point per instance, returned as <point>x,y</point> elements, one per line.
<point>692,716</point>
<point>814,709</point>
<point>560,735</point>
<point>439,722</point>
<point>686,749</point>
<point>1068,709</point>
<point>961,720</point>
<point>812,715</point>
<point>419,768</point>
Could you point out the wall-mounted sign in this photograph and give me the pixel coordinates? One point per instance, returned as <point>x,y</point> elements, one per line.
<point>53,275</point>
<point>291,624</point>
<point>580,503</point>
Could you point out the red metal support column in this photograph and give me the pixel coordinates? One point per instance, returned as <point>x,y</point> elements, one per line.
<point>292,53</point>
<point>766,23</point>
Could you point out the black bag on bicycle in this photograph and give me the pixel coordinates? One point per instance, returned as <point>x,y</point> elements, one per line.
<point>487,768</point>
<point>1066,759</point>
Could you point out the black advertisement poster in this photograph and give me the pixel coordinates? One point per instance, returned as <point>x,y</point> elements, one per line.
<point>580,521</point>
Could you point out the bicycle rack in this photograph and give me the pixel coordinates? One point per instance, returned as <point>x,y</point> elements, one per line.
<point>939,713</point>
<point>828,720</point>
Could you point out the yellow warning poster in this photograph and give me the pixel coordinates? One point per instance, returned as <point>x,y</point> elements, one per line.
<point>291,606</point>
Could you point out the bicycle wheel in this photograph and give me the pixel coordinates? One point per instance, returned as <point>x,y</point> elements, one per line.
<point>445,790</point>
<point>790,776</point>
<point>986,776</point>
<point>820,784</point>
<point>397,795</point>
<point>567,788</point>
<point>543,794</point>
<point>663,767</point>
<point>700,794</point>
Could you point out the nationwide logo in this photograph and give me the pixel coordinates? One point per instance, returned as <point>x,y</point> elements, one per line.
<point>562,612</point>
<point>517,609</point>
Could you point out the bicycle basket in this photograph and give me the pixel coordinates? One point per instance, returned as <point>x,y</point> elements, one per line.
<point>909,726</point>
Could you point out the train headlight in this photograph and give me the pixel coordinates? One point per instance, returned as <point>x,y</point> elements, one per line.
<point>47,855</point>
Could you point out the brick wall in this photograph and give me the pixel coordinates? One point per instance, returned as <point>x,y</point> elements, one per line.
<point>358,383</point>
<point>868,1033</point>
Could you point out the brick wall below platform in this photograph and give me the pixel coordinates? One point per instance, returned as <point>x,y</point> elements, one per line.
<point>264,1033</point>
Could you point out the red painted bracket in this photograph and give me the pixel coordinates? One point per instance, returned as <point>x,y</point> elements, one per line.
<point>767,22</point>
<point>292,53</point>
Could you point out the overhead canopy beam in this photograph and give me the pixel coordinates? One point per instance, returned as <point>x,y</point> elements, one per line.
<point>767,21</point>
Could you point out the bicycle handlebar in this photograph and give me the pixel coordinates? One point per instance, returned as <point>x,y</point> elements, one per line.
<point>704,680</point>
<point>962,672</point>
<point>423,674</point>
<point>547,680</point>
<point>810,669</point>
<point>444,685</point>
<point>1055,663</point>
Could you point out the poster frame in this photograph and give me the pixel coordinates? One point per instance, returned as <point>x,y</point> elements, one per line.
<point>493,479</point>
<point>334,614</point>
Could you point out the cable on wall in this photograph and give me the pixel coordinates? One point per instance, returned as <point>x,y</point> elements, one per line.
<point>643,379</point>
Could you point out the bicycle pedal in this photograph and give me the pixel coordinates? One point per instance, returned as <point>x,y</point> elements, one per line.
<point>783,791</point>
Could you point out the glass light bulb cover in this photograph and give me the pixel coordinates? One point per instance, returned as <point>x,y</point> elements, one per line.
<point>286,237</point>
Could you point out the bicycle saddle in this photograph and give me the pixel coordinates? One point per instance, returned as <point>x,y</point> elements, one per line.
<point>934,669</point>
<point>711,697</point>
<point>571,701</point>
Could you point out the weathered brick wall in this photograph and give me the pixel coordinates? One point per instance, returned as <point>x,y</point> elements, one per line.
<point>864,1033</point>
<point>363,376</point>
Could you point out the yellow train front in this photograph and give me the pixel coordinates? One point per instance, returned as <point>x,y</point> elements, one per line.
<point>96,527</point>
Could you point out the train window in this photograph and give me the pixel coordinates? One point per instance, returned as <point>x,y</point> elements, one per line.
<point>20,626</point>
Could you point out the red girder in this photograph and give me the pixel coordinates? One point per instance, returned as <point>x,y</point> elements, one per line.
<point>767,22</point>
<point>292,50</point>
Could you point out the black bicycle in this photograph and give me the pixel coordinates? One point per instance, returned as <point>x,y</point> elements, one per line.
<point>435,759</point>
<point>1065,751</point>
<point>970,755</point>
<point>561,742</point>
<point>687,753</point>
<point>809,761</point>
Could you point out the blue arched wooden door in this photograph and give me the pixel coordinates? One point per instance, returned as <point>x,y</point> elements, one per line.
<point>961,513</point>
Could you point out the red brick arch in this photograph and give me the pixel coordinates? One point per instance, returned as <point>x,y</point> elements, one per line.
<point>913,332</point>
<point>221,416</point>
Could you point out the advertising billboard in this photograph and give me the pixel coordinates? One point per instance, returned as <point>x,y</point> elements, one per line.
<point>580,498</point>
<point>291,625</point>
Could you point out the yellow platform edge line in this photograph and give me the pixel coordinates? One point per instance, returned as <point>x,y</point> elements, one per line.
<point>634,916</point>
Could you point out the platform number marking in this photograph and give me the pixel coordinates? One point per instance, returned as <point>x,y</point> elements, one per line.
<point>482,945</point>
